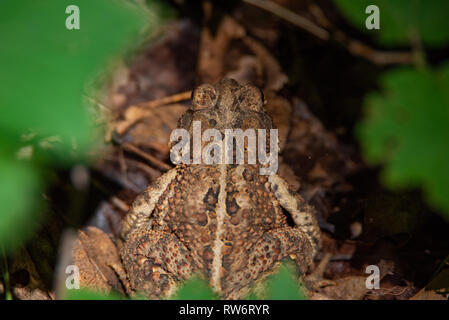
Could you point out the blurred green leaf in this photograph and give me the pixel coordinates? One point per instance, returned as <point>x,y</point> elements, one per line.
<point>407,129</point>
<point>19,205</point>
<point>401,19</point>
<point>45,67</point>
<point>88,294</point>
<point>46,71</point>
<point>194,289</point>
<point>283,285</point>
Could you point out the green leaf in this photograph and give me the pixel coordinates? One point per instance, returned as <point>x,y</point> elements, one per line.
<point>45,67</point>
<point>88,294</point>
<point>194,289</point>
<point>283,285</point>
<point>406,127</point>
<point>46,71</point>
<point>19,201</point>
<point>402,19</point>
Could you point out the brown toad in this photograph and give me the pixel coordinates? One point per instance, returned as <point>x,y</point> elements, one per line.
<point>225,221</point>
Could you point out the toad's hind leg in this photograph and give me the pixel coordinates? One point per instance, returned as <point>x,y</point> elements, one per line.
<point>271,248</point>
<point>155,261</point>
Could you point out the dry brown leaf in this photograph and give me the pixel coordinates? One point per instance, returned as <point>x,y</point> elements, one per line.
<point>437,289</point>
<point>213,49</point>
<point>25,281</point>
<point>150,128</point>
<point>98,261</point>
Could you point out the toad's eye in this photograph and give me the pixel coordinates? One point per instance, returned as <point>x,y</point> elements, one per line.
<point>251,98</point>
<point>204,96</point>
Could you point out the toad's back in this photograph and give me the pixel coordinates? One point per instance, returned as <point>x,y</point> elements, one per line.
<point>218,213</point>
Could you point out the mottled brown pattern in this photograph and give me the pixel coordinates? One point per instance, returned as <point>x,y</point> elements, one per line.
<point>223,221</point>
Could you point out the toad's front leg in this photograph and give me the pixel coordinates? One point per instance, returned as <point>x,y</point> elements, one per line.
<point>155,261</point>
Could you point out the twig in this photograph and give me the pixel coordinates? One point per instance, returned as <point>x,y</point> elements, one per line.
<point>151,172</point>
<point>319,16</point>
<point>360,49</point>
<point>122,163</point>
<point>153,160</point>
<point>118,178</point>
<point>114,200</point>
<point>178,97</point>
<point>126,124</point>
<point>291,17</point>
<point>395,291</point>
<point>355,47</point>
<point>119,203</point>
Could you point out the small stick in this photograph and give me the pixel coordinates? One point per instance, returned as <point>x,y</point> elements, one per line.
<point>291,17</point>
<point>360,49</point>
<point>355,47</point>
<point>153,160</point>
<point>126,124</point>
<point>150,171</point>
<point>178,97</point>
<point>119,203</point>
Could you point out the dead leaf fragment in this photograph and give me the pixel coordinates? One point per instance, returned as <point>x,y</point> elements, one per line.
<point>98,261</point>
